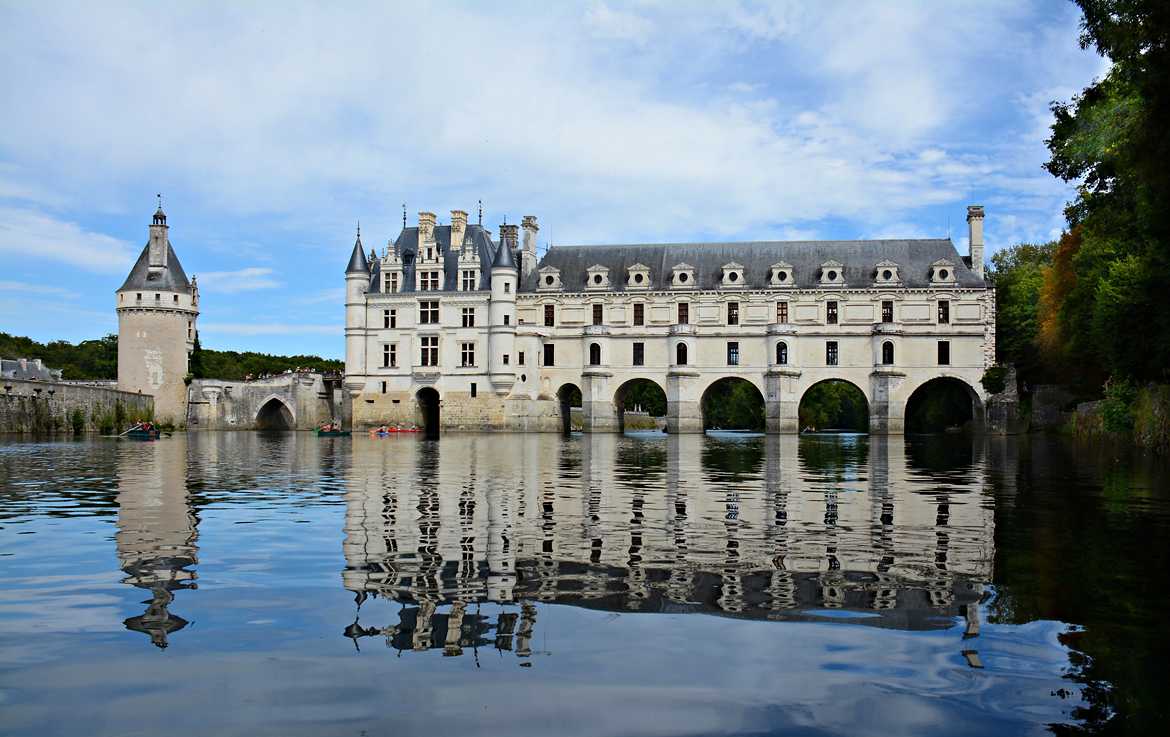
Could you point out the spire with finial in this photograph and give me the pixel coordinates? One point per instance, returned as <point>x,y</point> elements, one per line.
<point>404,216</point>
<point>481,213</point>
<point>358,263</point>
<point>160,217</point>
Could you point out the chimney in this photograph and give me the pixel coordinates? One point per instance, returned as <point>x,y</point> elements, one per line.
<point>509,235</point>
<point>458,229</point>
<point>975,237</point>
<point>528,254</point>
<point>158,240</point>
<point>426,227</point>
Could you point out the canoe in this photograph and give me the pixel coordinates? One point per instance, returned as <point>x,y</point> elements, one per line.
<point>141,435</point>
<point>332,433</point>
<point>385,433</point>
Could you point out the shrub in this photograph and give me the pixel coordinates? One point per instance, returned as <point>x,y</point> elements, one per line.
<point>77,421</point>
<point>994,379</point>
<point>1117,407</point>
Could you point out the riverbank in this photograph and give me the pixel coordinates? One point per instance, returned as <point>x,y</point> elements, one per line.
<point>1138,416</point>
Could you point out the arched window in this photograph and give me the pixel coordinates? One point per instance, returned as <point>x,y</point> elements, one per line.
<point>594,354</point>
<point>781,354</point>
<point>680,354</point>
<point>887,353</point>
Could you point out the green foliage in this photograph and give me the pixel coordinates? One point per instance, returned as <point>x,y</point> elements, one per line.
<point>98,359</point>
<point>644,394</point>
<point>195,363</point>
<point>836,405</point>
<point>937,406</point>
<point>994,379</point>
<point>1018,275</point>
<point>77,420</point>
<point>1117,408</point>
<point>733,404</point>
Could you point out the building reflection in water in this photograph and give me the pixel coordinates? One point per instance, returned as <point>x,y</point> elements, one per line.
<point>156,538</point>
<point>782,528</point>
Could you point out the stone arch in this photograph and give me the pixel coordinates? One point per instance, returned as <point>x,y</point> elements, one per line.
<point>275,414</point>
<point>836,409</point>
<point>959,412</point>
<point>622,392</point>
<point>428,405</point>
<point>752,416</point>
<point>568,396</point>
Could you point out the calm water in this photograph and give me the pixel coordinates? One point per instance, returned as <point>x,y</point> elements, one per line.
<point>235,583</point>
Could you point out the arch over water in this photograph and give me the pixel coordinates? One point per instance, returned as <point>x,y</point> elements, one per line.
<point>428,404</point>
<point>834,405</point>
<point>942,404</point>
<point>274,414</point>
<point>569,396</point>
<point>733,403</point>
<point>642,394</point>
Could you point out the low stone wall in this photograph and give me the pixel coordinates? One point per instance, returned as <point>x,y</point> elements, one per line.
<point>295,401</point>
<point>47,407</point>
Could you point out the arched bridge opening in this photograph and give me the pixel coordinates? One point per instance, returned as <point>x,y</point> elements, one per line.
<point>569,397</point>
<point>732,403</point>
<point>428,405</point>
<point>834,405</point>
<point>275,415</point>
<point>640,405</point>
<point>943,404</point>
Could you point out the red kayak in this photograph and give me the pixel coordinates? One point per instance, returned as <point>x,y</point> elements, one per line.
<point>384,433</point>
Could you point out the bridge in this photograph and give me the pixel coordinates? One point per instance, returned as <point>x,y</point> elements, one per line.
<point>289,401</point>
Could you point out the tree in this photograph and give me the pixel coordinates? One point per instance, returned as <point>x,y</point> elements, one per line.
<point>1018,274</point>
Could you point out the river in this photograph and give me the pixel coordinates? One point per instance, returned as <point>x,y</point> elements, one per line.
<point>281,584</point>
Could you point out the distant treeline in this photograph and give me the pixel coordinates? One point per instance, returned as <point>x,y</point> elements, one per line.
<point>98,359</point>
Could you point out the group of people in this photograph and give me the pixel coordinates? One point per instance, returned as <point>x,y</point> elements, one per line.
<point>286,372</point>
<point>383,429</point>
<point>330,426</point>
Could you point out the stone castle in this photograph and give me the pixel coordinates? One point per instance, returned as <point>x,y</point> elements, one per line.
<point>451,329</point>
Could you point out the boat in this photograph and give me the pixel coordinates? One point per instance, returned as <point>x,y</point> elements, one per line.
<point>139,433</point>
<point>332,433</point>
<point>391,430</point>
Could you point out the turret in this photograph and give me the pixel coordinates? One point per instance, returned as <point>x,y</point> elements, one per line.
<point>975,237</point>
<point>502,316</point>
<point>357,281</point>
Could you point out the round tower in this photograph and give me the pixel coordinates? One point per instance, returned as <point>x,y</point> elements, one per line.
<point>357,283</point>
<point>157,308</point>
<point>502,313</point>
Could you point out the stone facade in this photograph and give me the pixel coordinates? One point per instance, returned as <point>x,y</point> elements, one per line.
<point>448,322</point>
<point>292,401</point>
<point>41,406</point>
<point>157,310</point>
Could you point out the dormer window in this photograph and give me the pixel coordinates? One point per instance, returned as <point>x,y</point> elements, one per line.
<point>682,276</point>
<point>733,276</point>
<point>833,274</point>
<point>597,277</point>
<point>942,272</point>
<point>548,279</point>
<point>638,277</point>
<point>886,272</point>
<point>780,275</point>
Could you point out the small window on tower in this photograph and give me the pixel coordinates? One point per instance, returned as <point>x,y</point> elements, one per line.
<point>176,299</point>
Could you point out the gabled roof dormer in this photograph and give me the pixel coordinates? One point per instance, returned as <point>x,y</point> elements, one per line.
<point>733,276</point>
<point>942,272</point>
<point>638,277</point>
<point>780,274</point>
<point>548,279</point>
<point>682,276</point>
<point>832,274</point>
<point>886,273</point>
<point>597,277</point>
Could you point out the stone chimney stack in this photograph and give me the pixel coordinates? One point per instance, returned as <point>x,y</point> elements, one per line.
<point>509,235</point>
<point>158,240</point>
<point>975,237</point>
<point>458,229</point>
<point>426,227</point>
<point>528,254</point>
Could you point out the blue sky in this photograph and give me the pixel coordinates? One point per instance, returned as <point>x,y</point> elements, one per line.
<point>271,128</point>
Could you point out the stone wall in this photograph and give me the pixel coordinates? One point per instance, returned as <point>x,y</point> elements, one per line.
<point>43,407</point>
<point>285,402</point>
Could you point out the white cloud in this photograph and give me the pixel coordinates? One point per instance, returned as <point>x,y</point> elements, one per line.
<point>34,237</point>
<point>241,280</point>
<point>39,289</point>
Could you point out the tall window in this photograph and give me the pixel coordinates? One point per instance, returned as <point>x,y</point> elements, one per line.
<point>944,353</point>
<point>430,350</point>
<point>468,317</point>
<point>549,355</point>
<point>684,313</point>
<point>782,312</point>
<point>428,281</point>
<point>680,354</point>
<point>507,319</point>
<point>190,330</point>
<point>887,311</point>
<point>392,282</point>
<point>550,316</point>
<point>639,313</point>
<point>390,355</point>
<point>639,354</point>
<point>944,312</point>
<point>598,312</point>
<point>428,312</point>
<point>520,358</point>
<point>831,353</point>
<point>389,318</point>
<point>468,282</point>
<point>781,354</point>
<point>594,354</point>
<point>733,313</point>
<point>473,392</point>
<point>733,354</point>
<point>887,353</point>
<point>831,313</point>
<point>467,354</point>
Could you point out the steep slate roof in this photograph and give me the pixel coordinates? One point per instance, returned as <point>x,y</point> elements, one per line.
<point>357,260</point>
<point>476,236</point>
<point>860,259</point>
<point>171,279</point>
